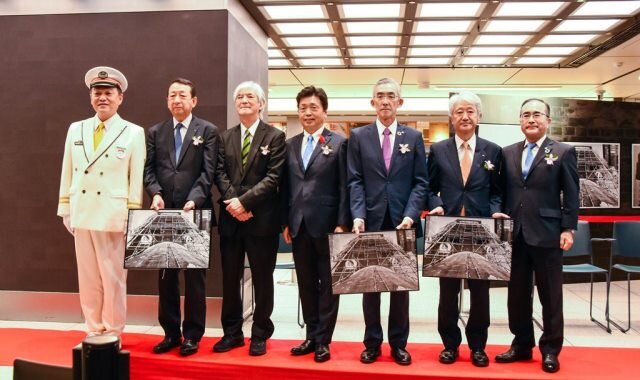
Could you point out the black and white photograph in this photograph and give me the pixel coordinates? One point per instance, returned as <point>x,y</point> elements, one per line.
<point>368,262</point>
<point>599,172</point>
<point>168,239</point>
<point>635,175</point>
<point>465,247</point>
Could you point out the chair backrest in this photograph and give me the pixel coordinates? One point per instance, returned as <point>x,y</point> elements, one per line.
<point>29,370</point>
<point>420,240</point>
<point>627,239</point>
<point>581,241</point>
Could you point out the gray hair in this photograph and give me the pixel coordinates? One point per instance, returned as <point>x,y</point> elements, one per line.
<point>465,97</point>
<point>390,81</point>
<point>256,89</point>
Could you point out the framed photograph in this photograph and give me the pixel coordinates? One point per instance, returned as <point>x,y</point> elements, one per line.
<point>467,247</point>
<point>368,262</point>
<point>635,175</point>
<point>168,239</point>
<point>599,172</point>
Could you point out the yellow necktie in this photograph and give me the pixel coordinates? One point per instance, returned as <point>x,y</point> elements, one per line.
<point>465,167</point>
<point>97,136</point>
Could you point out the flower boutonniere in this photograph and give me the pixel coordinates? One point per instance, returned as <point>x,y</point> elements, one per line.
<point>264,150</point>
<point>488,166</point>
<point>326,148</point>
<point>197,140</point>
<point>549,157</point>
<point>400,133</point>
<point>404,148</point>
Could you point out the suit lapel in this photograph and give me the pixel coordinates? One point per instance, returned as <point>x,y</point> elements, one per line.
<point>316,151</point>
<point>188,137</point>
<point>395,150</point>
<point>256,143</point>
<point>233,145</point>
<point>453,159</point>
<point>478,158</point>
<point>517,158</point>
<point>374,143</point>
<point>297,148</point>
<point>107,140</point>
<point>168,133</point>
<point>547,143</point>
<point>87,139</point>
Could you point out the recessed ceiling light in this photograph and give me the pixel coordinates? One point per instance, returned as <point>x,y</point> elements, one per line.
<point>599,25</point>
<point>483,60</point>
<point>454,39</point>
<point>371,10</point>
<point>432,51</point>
<point>373,52</point>
<point>514,25</point>
<point>274,53</point>
<point>551,50</point>
<point>372,40</point>
<point>449,9</point>
<point>310,41</point>
<point>442,26</point>
<point>303,27</point>
<point>428,61</point>
<point>491,51</point>
<point>502,39</point>
<point>608,8</point>
<point>530,9</point>
<point>332,52</point>
<point>280,12</point>
<point>373,61</point>
<point>279,62</point>
<point>538,60</point>
<point>321,62</point>
<point>359,27</point>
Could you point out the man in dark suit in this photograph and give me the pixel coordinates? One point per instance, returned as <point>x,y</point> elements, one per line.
<point>540,192</point>
<point>387,178</point>
<point>316,203</point>
<point>181,162</point>
<point>250,164</point>
<point>463,180</point>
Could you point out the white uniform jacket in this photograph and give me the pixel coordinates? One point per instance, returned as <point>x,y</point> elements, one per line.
<point>97,188</point>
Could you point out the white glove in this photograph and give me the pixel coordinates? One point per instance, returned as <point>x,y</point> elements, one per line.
<point>66,220</point>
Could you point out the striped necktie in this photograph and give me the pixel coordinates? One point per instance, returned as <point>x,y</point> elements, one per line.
<point>246,145</point>
<point>98,134</point>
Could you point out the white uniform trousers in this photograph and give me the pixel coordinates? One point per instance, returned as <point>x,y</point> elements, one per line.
<point>102,280</point>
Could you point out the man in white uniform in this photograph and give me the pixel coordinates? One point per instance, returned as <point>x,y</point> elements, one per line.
<point>101,178</point>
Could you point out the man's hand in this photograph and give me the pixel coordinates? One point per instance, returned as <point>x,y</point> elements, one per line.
<point>243,217</point>
<point>566,240</point>
<point>234,207</point>
<point>437,211</point>
<point>157,203</point>
<point>340,229</point>
<point>406,224</point>
<point>66,220</point>
<point>358,226</point>
<point>499,215</point>
<point>190,205</point>
<point>286,235</point>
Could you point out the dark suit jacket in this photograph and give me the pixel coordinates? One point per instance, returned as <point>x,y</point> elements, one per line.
<point>188,178</point>
<point>536,204</point>
<point>319,194</point>
<point>256,186</point>
<point>480,196</point>
<point>403,191</point>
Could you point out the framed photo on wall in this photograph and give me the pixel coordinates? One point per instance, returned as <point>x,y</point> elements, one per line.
<point>168,239</point>
<point>467,247</point>
<point>599,172</point>
<point>368,262</point>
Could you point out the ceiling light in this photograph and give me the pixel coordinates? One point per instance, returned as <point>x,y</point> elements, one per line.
<point>279,62</point>
<point>373,52</point>
<point>498,88</point>
<point>567,39</point>
<point>279,12</point>
<point>303,28</point>
<point>428,61</point>
<point>321,62</point>
<point>442,26</point>
<point>372,40</point>
<point>453,39</point>
<point>483,60</point>
<point>586,25</point>
<point>274,53</point>
<point>373,61</point>
<point>530,9</point>
<point>608,8</point>
<point>370,10</point>
<point>331,52</point>
<point>514,25</point>
<point>491,51</point>
<point>553,50</point>
<point>502,39</point>
<point>433,51</point>
<point>310,41</point>
<point>538,60</point>
<point>360,27</point>
<point>449,10</point>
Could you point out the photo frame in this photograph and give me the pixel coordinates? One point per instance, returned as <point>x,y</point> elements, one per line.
<point>599,172</point>
<point>369,262</point>
<point>168,239</point>
<point>467,247</point>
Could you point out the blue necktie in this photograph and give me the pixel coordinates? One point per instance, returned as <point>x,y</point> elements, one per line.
<point>528,160</point>
<point>178,140</point>
<point>307,151</point>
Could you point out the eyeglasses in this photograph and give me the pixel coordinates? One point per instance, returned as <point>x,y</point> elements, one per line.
<point>536,115</point>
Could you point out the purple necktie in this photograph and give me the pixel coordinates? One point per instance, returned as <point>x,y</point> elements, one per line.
<point>386,148</point>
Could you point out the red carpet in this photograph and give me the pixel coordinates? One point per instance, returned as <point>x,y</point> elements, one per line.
<point>55,347</point>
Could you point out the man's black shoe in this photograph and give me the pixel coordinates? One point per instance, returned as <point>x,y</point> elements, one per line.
<point>322,353</point>
<point>228,343</point>
<point>166,345</point>
<point>448,356</point>
<point>189,347</point>
<point>369,355</point>
<point>306,347</point>
<point>257,347</point>
<point>400,355</point>
<point>550,363</point>
<point>513,355</point>
<point>479,358</point>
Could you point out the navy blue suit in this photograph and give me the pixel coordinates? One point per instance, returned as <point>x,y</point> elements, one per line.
<point>540,214</point>
<point>316,201</point>
<point>480,196</point>
<point>382,200</point>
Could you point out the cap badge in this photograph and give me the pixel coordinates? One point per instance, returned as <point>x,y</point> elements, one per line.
<point>103,75</point>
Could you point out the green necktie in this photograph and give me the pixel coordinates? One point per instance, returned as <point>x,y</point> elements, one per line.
<point>246,145</point>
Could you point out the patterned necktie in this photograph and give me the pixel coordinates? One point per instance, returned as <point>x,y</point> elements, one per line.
<point>178,140</point>
<point>307,151</point>
<point>386,148</point>
<point>98,134</point>
<point>465,163</point>
<point>246,145</point>
<point>528,160</point>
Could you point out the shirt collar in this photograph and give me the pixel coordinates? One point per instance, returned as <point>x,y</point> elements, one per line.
<point>538,143</point>
<point>107,123</point>
<point>252,128</point>
<point>381,127</point>
<point>186,122</point>
<point>471,142</point>
<point>316,134</point>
